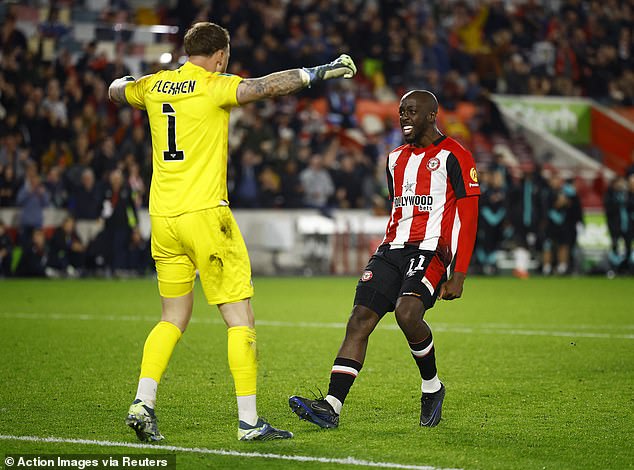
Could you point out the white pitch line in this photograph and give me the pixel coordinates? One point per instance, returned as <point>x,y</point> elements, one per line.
<point>605,326</point>
<point>232,453</point>
<point>484,328</point>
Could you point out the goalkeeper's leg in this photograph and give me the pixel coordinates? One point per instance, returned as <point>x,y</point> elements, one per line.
<point>243,365</point>
<point>241,352</point>
<point>157,352</point>
<point>160,344</point>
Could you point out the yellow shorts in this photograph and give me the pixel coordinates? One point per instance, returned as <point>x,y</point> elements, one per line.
<point>208,240</point>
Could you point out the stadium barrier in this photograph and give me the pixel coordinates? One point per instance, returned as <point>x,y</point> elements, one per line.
<point>307,242</point>
<point>279,241</point>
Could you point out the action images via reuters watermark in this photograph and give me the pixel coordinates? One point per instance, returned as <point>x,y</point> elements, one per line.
<point>92,461</point>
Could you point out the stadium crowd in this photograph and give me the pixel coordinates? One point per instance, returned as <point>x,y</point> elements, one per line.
<point>63,145</point>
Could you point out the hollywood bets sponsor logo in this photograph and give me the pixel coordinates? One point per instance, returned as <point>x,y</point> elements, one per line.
<point>433,164</point>
<point>423,201</point>
<point>366,276</point>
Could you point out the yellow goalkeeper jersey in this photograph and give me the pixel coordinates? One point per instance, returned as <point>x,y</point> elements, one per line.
<point>188,109</point>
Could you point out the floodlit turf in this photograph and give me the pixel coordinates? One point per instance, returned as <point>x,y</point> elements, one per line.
<point>539,374</point>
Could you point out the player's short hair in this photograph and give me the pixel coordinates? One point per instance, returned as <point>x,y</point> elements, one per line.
<point>205,39</point>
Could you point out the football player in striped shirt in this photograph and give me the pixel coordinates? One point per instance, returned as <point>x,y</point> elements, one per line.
<point>430,235</point>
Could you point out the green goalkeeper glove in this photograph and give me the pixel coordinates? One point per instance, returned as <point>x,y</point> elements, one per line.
<point>343,66</point>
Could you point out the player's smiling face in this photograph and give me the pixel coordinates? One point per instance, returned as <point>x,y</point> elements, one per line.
<point>413,120</point>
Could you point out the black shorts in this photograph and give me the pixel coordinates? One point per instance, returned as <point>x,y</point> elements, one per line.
<point>391,274</point>
<point>559,234</point>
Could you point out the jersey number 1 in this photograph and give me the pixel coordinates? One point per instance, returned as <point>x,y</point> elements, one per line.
<point>171,154</point>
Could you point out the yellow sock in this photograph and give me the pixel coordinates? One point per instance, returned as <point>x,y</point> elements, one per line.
<point>158,349</point>
<point>242,359</point>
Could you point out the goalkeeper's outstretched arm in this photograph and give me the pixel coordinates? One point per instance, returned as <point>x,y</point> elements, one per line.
<point>291,81</point>
<point>116,90</point>
<point>269,86</point>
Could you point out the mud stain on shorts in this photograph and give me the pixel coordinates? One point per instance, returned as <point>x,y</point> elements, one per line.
<point>216,261</point>
<point>225,228</point>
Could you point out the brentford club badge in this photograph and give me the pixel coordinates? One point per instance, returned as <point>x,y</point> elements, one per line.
<point>367,275</point>
<point>433,164</point>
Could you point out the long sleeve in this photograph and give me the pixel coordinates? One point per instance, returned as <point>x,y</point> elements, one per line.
<point>468,213</point>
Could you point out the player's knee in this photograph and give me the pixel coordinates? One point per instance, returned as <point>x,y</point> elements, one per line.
<point>361,322</point>
<point>180,323</point>
<point>409,312</point>
<point>177,310</point>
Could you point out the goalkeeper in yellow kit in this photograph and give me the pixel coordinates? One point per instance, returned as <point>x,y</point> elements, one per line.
<point>192,225</point>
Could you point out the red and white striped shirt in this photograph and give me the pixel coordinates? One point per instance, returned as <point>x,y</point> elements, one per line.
<point>424,185</point>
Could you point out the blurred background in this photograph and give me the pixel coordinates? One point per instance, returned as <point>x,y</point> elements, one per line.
<point>541,92</point>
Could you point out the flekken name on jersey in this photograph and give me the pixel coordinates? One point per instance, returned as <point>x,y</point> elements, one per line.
<point>174,88</point>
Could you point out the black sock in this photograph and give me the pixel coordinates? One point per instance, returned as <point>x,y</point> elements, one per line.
<point>425,357</point>
<point>342,376</point>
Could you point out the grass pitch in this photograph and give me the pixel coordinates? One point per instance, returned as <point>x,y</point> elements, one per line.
<point>539,374</point>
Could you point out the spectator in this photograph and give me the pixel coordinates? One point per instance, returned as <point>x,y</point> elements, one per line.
<point>493,214</point>
<point>34,258</point>
<point>73,93</point>
<point>499,165</point>
<point>135,182</point>
<point>435,49</point>
<point>349,179</point>
<point>123,131</point>
<point>517,73</point>
<point>630,210</point>
<point>9,186</point>
<point>342,106</point>
<point>9,152</point>
<point>66,251</point>
<point>87,57</point>
<point>615,204</point>
<point>11,38</point>
<point>317,184</point>
<point>34,128</point>
<point>6,251</point>
<point>54,105</point>
<point>53,27</point>
<point>87,201</point>
<point>106,159</point>
<point>291,185</point>
<point>468,26</point>
<point>285,149</point>
<point>558,235</point>
<point>83,156</point>
<point>139,146</point>
<point>56,188</point>
<point>259,138</point>
<point>574,222</point>
<point>32,199</point>
<point>247,186</point>
<point>139,258</point>
<point>270,190</point>
<point>57,153</point>
<point>120,218</point>
<point>527,199</point>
